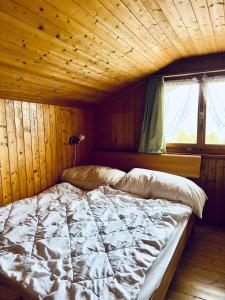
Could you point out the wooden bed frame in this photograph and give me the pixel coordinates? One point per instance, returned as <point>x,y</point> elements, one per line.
<point>161,291</point>
<point>184,165</point>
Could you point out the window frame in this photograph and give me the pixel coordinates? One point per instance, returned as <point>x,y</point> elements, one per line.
<point>200,147</point>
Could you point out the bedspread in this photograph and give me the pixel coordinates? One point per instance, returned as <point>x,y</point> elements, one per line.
<point>68,244</point>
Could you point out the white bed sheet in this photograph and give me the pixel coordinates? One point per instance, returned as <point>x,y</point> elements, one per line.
<point>155,274</point>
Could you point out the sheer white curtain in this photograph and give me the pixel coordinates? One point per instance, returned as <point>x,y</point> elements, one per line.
<point>180,109</point>
<point>214,94</point>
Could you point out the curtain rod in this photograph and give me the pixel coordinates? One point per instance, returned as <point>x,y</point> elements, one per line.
<point>193,73</point>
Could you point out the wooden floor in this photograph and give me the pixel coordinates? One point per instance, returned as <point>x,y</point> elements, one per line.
<point>201,272</point>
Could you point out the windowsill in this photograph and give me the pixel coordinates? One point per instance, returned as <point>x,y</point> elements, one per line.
<point>216,155</point>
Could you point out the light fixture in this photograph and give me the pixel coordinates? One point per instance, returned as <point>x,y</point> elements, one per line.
<point>74,140</point>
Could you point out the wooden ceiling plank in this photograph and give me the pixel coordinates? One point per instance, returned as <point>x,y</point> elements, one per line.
<point>216,9</point>
<point>35,90</point>
<point>44,98</point>
<point>105,16</point>
<point>202,14</point>
<point>157,13</point>
<point>188,17</point>
<point>107,44</point>
<point>170,11</point>
<point>111,72</point>
<point>26,56</point>
<point>128,20</point>
<point>89,49</point>
<point>18,12</point>
<point>33,86</point>
<point>71,32</point>
<point>56,83</point>
<point>22,57</point>
<point>13,59</point>
<point>22,75</point>
<point>19,62</point>
<point>151,25</point>
<point>54,48</point>
<point>86,19</point>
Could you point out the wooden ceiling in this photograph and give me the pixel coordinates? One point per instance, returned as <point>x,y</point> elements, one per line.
<point>86,50</point>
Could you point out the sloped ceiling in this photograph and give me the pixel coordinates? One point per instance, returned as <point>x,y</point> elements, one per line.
<point>86,50</point>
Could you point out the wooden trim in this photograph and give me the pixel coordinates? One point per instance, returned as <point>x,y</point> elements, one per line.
<point>161,291</point>
<point>213,156</point>
<point>194,74</point>
<point>183,165</point>
<point>193,149</point>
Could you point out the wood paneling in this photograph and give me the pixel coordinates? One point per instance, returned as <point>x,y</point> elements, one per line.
<point>118,122</point>
<point>88,49</point>
<point>34,145</point>
<point>213,181</point>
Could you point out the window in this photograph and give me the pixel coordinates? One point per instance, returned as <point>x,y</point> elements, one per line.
<point>194,115</point>
<point>214,93</point>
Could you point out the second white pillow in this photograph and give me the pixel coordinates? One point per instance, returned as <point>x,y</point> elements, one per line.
<point>159,185</point>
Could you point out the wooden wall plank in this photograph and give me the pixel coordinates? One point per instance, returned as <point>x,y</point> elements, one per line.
<point>41,144</point>
<point>35,147</point>
<point>20,148</point>
<point>11,132</point>
<point>59,139</point>
<point>64,137</point>
<point>4,157</point>
<point>34,143</point>
<point>48,146</point>
<point>52,121</point>
<point>28,148</point>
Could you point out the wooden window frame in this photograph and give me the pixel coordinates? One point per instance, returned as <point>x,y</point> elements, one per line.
<point>200,147</point>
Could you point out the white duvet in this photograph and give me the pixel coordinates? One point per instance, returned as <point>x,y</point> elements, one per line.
<point>66,244</point>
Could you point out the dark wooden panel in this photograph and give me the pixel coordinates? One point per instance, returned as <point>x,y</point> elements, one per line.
<point>118,122</point>
<point>213,182</point>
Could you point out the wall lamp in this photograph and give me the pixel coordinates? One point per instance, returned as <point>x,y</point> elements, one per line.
<point>74,140</point>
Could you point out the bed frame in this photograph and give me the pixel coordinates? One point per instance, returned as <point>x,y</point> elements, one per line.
<point>183,165</point>
<point>161,291</point>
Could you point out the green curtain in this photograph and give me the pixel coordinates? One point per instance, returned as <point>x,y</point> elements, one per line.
<point>152,135</point>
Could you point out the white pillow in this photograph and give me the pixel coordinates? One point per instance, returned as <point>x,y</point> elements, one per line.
<point>91,177</point>
<point>154,184</point>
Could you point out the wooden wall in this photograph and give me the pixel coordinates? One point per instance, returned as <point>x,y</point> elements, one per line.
<point>118,127</point>
<point>118,121</point>
<point>34,146</point>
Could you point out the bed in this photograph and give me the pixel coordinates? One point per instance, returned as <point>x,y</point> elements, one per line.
<point>66,243</point>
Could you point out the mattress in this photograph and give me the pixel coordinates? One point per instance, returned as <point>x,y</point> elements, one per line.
<point>67,244</point>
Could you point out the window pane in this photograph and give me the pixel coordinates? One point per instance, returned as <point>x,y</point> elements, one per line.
<point>181,111</point>
<point>214,92</point>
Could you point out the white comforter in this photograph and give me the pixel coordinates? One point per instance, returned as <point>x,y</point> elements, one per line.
<point>67,244</point>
